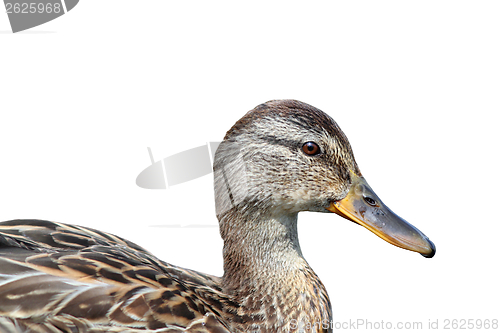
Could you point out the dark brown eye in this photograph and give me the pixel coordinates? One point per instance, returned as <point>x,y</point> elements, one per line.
<point>310,148</point>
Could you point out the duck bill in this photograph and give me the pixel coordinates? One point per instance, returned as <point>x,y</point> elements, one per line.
<point>363,206</point>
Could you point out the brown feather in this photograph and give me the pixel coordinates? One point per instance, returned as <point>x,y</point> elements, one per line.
<point>56,277</point>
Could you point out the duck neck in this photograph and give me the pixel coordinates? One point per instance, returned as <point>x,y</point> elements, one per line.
<point>258,248</point>
<point>266,274</point>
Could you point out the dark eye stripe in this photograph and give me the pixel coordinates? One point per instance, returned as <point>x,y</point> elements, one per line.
<point>292,145</point>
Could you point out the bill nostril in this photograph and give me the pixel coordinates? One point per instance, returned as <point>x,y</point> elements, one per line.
<point>370,201</point>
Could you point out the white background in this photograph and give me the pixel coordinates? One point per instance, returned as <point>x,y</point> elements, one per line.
<point>414,85</point>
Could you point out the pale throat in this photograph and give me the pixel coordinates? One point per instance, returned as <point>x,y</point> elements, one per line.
<point>256,250</point>
<point>263,264</point>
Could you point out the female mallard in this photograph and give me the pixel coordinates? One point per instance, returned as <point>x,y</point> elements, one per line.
<point>281,158</point>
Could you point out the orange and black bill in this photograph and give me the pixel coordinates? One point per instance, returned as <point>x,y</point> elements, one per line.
<point>363,206</point>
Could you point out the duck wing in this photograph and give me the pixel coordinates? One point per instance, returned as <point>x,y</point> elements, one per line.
<point>63,278</point>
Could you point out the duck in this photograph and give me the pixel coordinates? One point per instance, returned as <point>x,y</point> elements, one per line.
<point>281,158</point>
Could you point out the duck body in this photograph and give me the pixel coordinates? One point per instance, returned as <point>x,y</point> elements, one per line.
<point>63,278</point>
<point>281,158</point>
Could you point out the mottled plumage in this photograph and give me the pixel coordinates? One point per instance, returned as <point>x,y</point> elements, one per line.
<point>56,277</point>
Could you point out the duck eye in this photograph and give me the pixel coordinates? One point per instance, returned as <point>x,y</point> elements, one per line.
<point>310,148</point>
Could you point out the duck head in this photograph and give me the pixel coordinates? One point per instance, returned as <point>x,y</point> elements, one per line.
<point>286,156</point>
